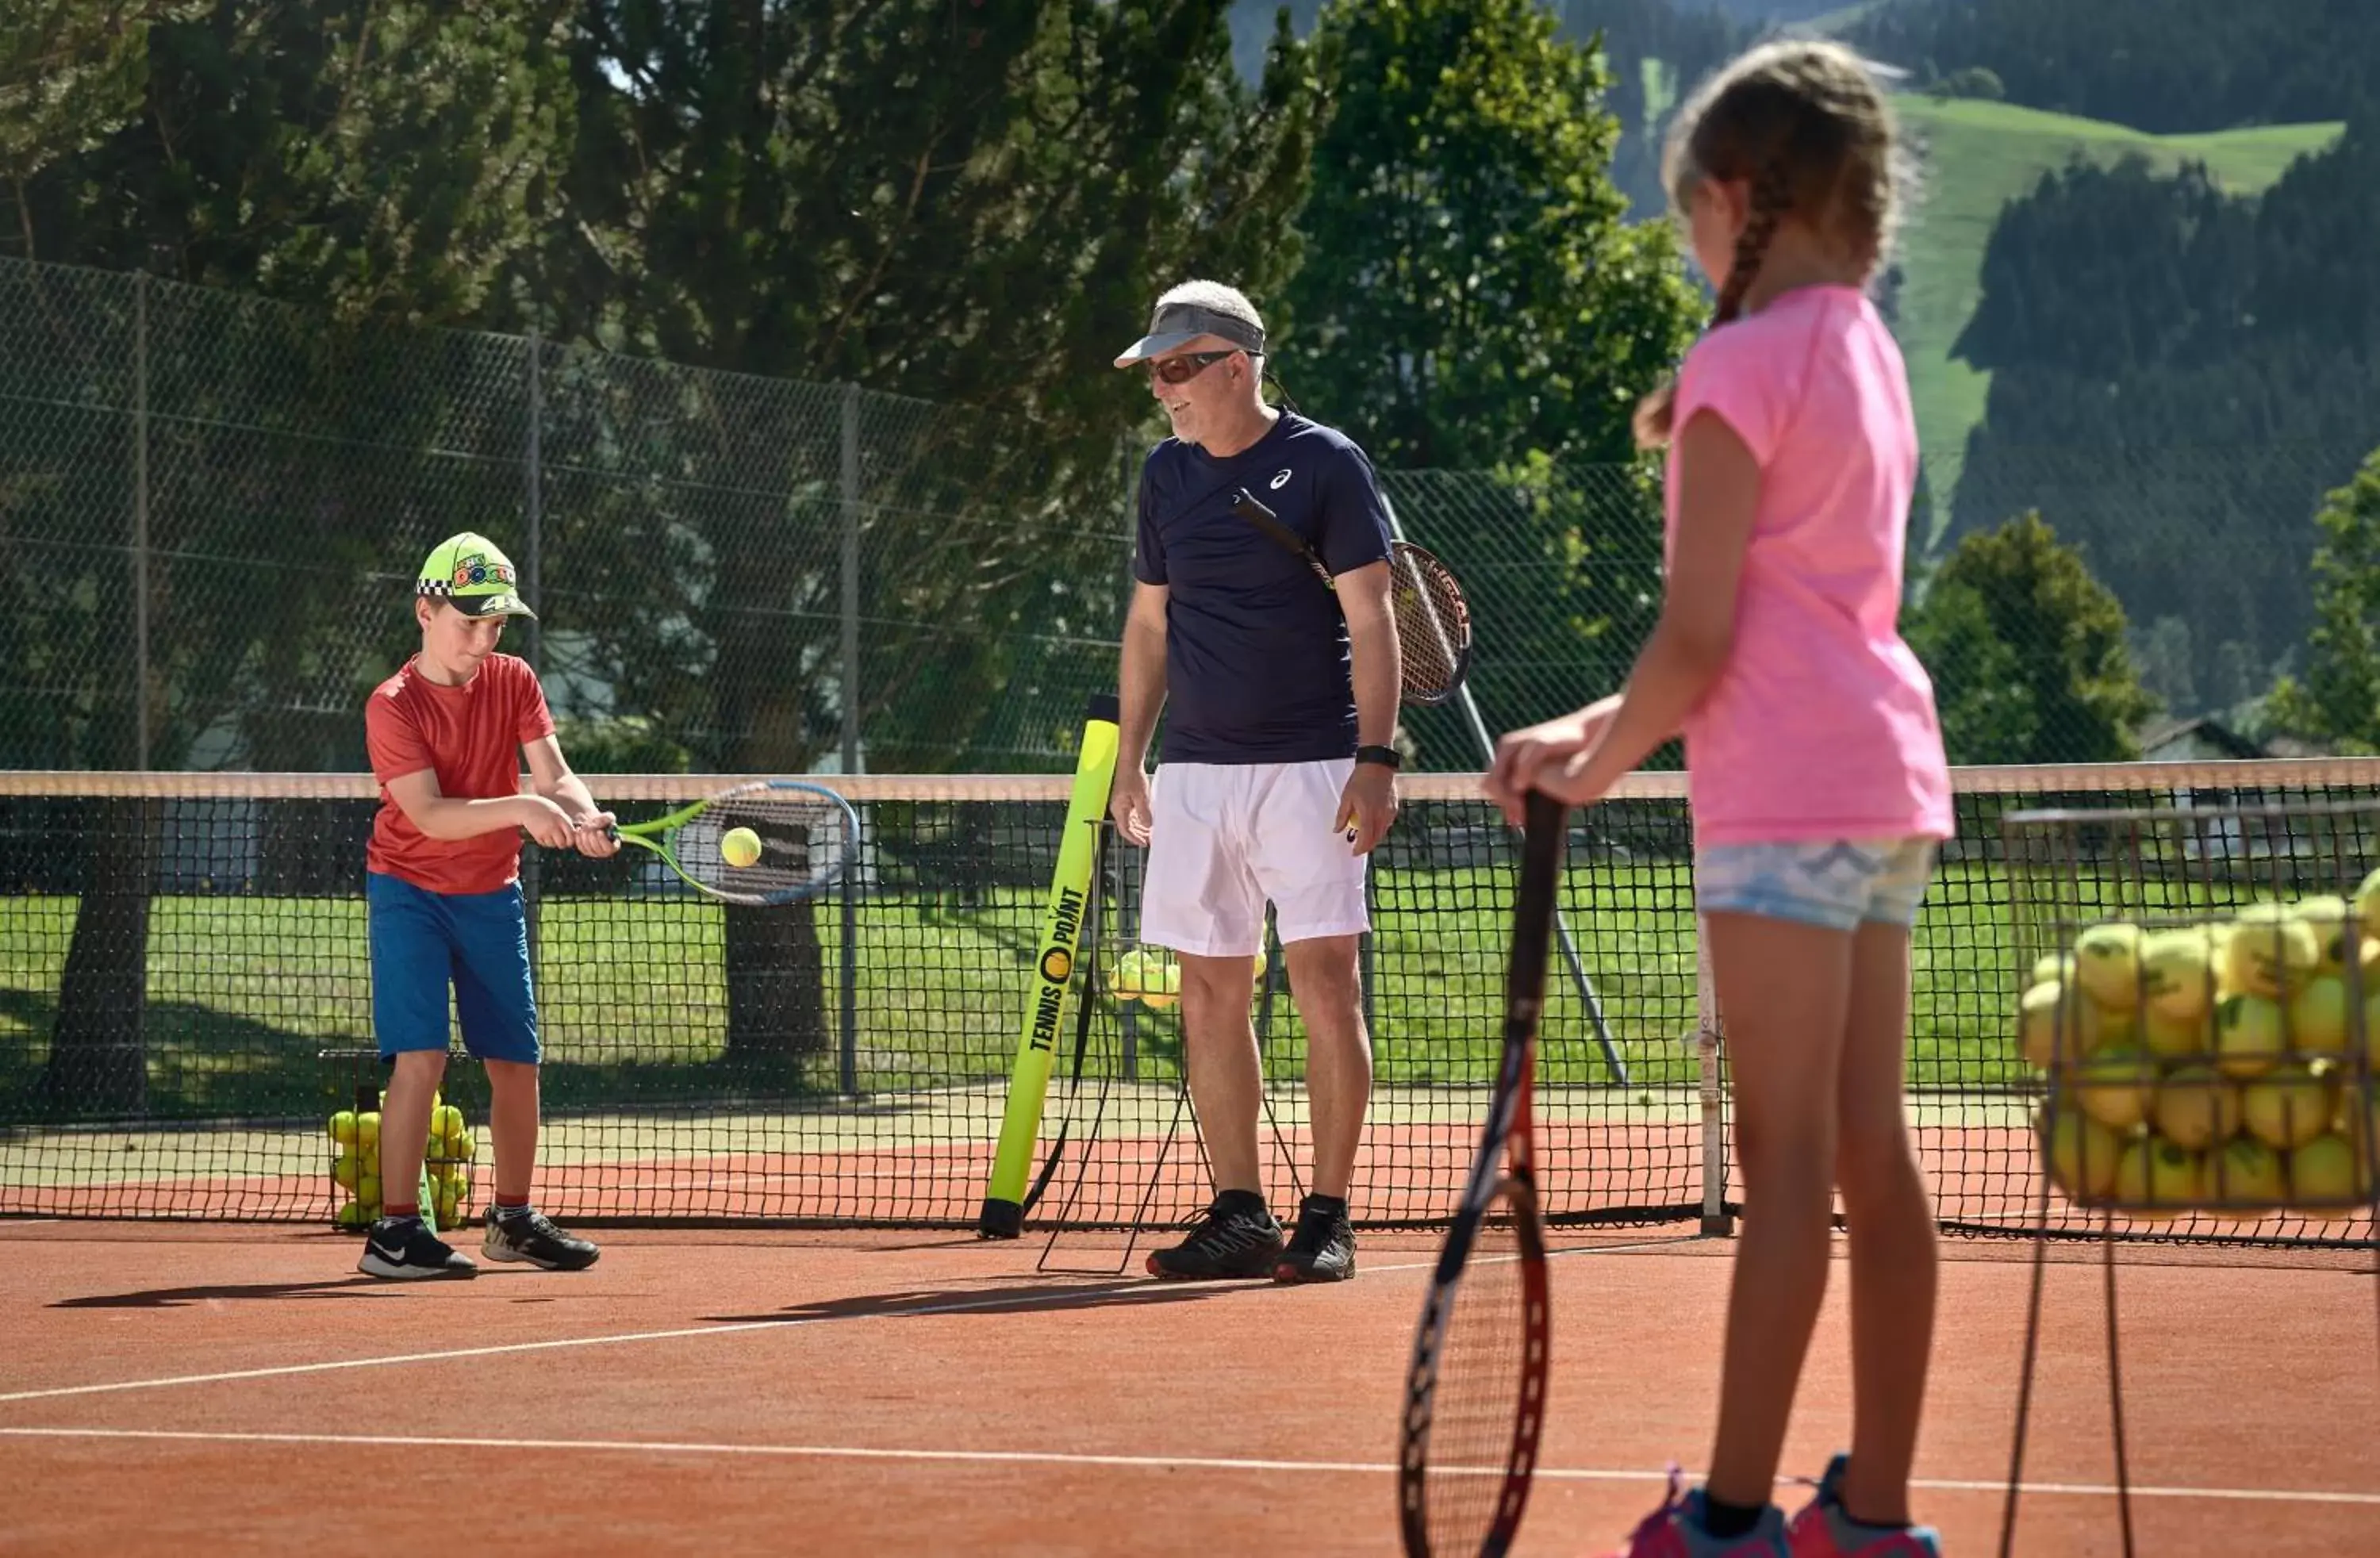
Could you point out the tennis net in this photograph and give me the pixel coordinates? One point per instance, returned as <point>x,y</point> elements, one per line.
<point>185,998</point>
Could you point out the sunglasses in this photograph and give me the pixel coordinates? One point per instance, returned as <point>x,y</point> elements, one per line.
<point>1182,370</point>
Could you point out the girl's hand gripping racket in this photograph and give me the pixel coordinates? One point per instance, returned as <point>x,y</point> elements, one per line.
<point>1475,1393</point>
<point>777,841</point>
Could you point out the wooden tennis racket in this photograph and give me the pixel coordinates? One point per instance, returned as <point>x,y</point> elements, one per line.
<point>806,835</point>
<point>1433,619</point>
<point>1475,1393</point>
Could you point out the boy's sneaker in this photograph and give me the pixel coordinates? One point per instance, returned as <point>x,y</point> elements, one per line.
<point>404,1249</point>
<point>1822,1531</point>
<point>1236,1237</point>
<point>1323,1248</point>
<point>1676,1530</point>
<point>526,1234</point>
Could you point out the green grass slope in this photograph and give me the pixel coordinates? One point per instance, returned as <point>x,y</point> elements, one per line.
<point>1978,156</point>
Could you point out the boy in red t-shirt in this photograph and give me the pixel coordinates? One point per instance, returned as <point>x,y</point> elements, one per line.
<point>442,890</point>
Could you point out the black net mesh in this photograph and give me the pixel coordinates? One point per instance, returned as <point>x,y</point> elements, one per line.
<point>185,1001</point>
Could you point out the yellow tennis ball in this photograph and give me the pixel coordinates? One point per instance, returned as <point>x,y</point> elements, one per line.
<point>343,1127</point>
<point>447,1121</point>
<point>345,1171</point>
<point>739,847</point>
<point>462,1146</point>
<point>367,1132</point>
<point>368,1189</point>
<point>352,1216</point>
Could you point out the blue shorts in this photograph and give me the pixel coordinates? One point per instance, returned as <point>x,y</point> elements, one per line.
<point>421,941</point>
<point>1833,883</point>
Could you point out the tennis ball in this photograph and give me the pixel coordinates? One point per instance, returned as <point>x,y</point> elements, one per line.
<point>2178,974</point>
<point>343,1127</point>
<point>2288,1107</point>
<point>345,1171</point>
<point>2107,965</point>
<point>447,1121</point>
<point>2053,968</point>
<point>367,1132</point>
<point>2176,1037</point>
<point>2196,1107</point>
<point>368,1189</point>
<point>2271,950</point>
<point>739,847</point>
<point>2246,1179</point>
<point>2367,907</point>
<point>1166,986</point>
<point>352,1216</point>
<point>1131,975</point>
<point>2248,1035</point>
<point>2081,1152</point>
<point>2055,1020</point>
<point>2115,1086</point>
<point>462,1147</point>
<point>2333,924</point>
<point>2159,1179</point>
<point>2324,1173</point>
<point>2319,1015</point>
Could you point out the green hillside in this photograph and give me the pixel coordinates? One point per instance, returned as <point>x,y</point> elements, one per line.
<point>1977,156</point>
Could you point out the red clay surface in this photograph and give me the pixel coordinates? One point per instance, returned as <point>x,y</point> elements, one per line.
<point>228,1389</point>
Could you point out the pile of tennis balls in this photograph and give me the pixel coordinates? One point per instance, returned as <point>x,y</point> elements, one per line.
<point>2217,1066</point>
<point>355,1163</point>
<point>1150,975</point>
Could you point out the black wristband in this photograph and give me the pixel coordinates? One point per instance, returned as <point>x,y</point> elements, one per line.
<point>1387,757</point>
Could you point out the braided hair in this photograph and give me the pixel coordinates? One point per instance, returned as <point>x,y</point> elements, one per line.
<point>1805,123</point>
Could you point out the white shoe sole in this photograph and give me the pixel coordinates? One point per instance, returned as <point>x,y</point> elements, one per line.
<point>372,1265</point>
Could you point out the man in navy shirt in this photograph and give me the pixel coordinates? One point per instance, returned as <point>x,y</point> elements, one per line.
<point>1276,778</point>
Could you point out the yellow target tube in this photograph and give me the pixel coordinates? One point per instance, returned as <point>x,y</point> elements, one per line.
<point>1045,1005</point>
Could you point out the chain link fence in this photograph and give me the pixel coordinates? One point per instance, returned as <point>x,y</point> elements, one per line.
<point>210,506</point>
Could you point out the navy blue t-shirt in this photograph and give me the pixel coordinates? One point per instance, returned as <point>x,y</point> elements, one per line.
<point>1256,647</point>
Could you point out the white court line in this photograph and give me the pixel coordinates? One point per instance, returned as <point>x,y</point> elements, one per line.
<point>1063,1458</point>
<point>1054,1300</point>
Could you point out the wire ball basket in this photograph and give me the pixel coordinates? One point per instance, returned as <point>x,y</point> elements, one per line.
<point>2198,995</point>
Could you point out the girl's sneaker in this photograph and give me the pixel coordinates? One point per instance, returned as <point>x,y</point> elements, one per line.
<point>1676,1530</point>
<point>1823,1531</point>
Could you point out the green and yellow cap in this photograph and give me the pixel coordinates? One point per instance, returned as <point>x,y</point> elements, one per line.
<point>469,573</point>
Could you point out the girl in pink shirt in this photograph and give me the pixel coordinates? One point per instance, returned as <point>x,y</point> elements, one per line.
<point>1814,770</point>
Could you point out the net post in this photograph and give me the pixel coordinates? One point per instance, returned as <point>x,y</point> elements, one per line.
<point>847,977</point>
<point>141,520</point>
<point>1715,1222</point>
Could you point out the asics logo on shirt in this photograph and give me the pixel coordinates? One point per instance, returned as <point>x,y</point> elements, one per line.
<point>1282,479</point>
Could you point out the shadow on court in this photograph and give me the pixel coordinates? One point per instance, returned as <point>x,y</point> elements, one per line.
<point>1019,1299</point>
<point>176,1298</point>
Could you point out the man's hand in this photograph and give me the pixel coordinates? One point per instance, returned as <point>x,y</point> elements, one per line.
<point>1128,804</point>
<point>596,840</point>
<point>1526,759</point>
<point>1367,806</point>
<point>546,821</point>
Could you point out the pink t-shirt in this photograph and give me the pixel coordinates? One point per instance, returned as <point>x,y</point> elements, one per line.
<point>1822,725</point>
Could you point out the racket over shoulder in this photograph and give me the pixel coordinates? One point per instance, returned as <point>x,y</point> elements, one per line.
<point>1475,1390</point>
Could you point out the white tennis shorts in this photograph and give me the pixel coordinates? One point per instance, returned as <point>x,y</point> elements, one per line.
<point>1225,837</point>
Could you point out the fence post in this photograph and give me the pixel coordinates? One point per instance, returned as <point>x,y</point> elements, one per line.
<point>1716,1222</point>
<point>141,520</point>
<point>848,969</point>
<point>533,512</point>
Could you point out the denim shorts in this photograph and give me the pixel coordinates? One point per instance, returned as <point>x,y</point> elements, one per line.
<point>1832,882</point>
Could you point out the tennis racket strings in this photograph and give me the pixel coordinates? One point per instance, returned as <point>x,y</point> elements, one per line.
<point>805,841</point>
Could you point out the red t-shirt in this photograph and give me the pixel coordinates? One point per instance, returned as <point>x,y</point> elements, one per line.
<point>471,736</point>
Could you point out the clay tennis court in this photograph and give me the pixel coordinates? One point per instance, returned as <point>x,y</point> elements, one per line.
<point>173,1387</point>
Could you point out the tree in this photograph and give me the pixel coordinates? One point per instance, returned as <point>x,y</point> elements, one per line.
<point>2028,652</point>
<point>2340,698</point>
<point>373,160</point>
<point>1474,300</point>
<point>973,206</point>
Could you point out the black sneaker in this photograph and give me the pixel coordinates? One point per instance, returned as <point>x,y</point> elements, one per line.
<point>529,1234</point>
<point>1323,1248</point>
<point>1238,1240</point>
<point>404,1249</point>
